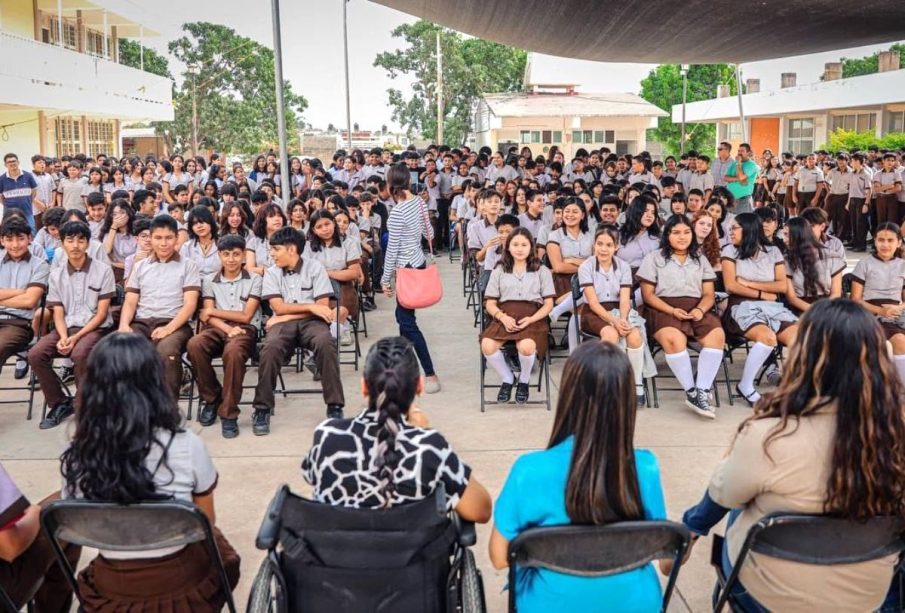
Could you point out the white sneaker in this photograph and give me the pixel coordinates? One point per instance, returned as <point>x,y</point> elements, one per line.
<point>345,336</point>
<point>431,385</point>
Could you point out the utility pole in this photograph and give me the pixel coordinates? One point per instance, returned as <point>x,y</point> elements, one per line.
<point>741,110</point>
<point>346,54</point>
<point>439,92</point>
<point>193,70</point>
<point>281,109</point>
<point>684,71</point>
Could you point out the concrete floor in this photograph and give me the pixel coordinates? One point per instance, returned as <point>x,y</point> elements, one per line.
<point>251,468</point>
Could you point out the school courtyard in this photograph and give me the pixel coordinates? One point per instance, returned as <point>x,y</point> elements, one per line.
<point>251,468</point>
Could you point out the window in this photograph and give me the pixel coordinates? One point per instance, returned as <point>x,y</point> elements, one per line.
<point>855,122</point>
<point>68,135</point>
<point>557,136</point>
<point>547,136</point>
<point>800,137</point>
<point>577,136</point>
<point>100,137</point>
<point>588,136</point>
<point>609,136</point>
<point>730,131</point>
<point>524,136</point>
<point>598,136</point>
<point>50,31</point>
<point>95,43</point>
<point>895,121</point>
<point>535,136</point>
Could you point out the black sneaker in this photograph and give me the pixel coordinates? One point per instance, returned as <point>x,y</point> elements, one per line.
<point>229,428</point>
<point>208,414</point>
<point>641,398</point>
<point>56,415</point>
<point>698,401</point>
<point>505,393</point>
<point>66,374</point>
<point>368,304</point>
<point>21,370</point>
<point>260,422</point>
<point>334,411</point>
<point>521,393</point>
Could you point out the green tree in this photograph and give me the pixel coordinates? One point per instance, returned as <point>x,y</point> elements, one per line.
<point>130,54</point>
<point>662,87</point>
<point>471,67</point>
<point>235,92</point>
<point>869,64</point>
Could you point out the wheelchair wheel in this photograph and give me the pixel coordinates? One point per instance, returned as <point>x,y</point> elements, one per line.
<point>268,594</point>
<point>471,586</point>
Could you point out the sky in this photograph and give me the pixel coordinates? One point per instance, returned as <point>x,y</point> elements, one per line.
<point>313,56</point>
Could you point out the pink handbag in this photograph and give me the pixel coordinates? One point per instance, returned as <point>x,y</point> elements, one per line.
<point>419,288</point>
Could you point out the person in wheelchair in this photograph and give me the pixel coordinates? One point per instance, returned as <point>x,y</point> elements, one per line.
<point>589,474</point>
<point>606,283</point>
<point>388,455</point>
<point>805,451</point>
<point>518,298</point>
<point>677,286</point>
<point>129,446</point>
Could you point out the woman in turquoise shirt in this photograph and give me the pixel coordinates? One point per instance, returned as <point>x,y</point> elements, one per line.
<point>576,481</point>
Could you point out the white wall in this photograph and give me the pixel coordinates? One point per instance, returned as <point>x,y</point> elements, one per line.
<point>23,139</point>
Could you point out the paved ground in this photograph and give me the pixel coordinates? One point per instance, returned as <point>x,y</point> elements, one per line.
<point>251,468</point>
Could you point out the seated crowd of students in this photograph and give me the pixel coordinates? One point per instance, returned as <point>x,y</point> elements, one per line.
<point>148,262</point>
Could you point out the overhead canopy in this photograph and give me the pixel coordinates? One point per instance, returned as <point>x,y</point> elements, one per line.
<point>660,31</point>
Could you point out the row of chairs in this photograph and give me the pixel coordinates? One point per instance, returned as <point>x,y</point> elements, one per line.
<point>417,556</point>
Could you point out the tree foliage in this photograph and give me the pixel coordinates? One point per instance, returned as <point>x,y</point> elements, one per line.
<point>235,92</point>
<point>130,54</point>
<point>857,66</point>
<point>848,140</point>
<point>662,87</point>
<point>471,67</point>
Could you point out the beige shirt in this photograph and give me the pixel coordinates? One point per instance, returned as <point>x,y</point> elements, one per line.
<point>792,479</point>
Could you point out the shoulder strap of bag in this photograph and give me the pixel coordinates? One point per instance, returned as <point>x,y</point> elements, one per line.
<point>427,232</point>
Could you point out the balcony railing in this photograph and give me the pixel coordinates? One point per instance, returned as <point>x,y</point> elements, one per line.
<point>33,73</point>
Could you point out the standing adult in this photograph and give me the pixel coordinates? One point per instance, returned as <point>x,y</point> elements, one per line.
<point>721,164</point>
<point>406,225</point>
<point>19,190</point>
<point>741,178</point>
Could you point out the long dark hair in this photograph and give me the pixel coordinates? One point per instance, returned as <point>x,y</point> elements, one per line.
<point>398,180</point>
<point>597,407</point>
<point>753,239</point>
<point>126,404</point>
<point>804,251</point>
<point>507,262</point>
<point>201,214</point>
<point>391,372</point>
<point>694,248</point>
<point>126,208</point>
<point>224,219</point>
<point>840,358</point>
<point>265,211</point>
<point>632,226</point>
<point>313,239</point>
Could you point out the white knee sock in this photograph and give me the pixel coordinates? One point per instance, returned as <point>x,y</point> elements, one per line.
<point>680,365</point>
<point>527,364</point>
<point>572,331</point>
<point>498,362</point>
<point>636,359</point>
<point>709,362</point>
<point>899,361</point>
<point>756,358</point>
<point>562,307</point>
<point>334,329</point>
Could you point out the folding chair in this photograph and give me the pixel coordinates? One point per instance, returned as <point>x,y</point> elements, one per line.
<point>411,557</point>
<point>599,551</point>
<point>31,382</point>
<point>8,606</point>
<point>136,527</point>
<point>810,539</point>
<point>693,349</point>
<point>355,350</point>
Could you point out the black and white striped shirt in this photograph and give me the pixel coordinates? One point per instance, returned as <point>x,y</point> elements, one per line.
<point>407,224</point>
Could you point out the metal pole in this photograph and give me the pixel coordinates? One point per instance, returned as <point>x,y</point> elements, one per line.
<point>346,54</point>
<point>439,92</point>
<point>106,44</point>
<point>60,20</point>
<point>684,70</point>
<point>194,117</point>
<point>741,109</point>
<point>141,46</point>
<point>281,114</point>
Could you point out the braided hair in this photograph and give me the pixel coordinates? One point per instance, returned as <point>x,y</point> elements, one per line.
<point>391,372</point>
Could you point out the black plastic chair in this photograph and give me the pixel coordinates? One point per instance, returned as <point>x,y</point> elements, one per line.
<point>412,557</point>
<point>136,527</point>
<point>810,539</point>
<point>8,606</point>
<point>599,551</point>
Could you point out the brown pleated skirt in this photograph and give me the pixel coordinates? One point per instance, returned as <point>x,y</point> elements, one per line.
<point>657,320</point>
<point>562,283</point>
<point>889,329</point>
<point>591,322</point>
<point>539,331</point>
<point>187,581</point>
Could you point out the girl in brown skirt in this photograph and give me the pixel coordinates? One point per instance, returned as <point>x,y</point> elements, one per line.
<point>518,298</point>
<point>141,455</point>
<point>567,248</point>
<point>677,285</point>
<point>342,259</point>
<point>879,285</point>
<point>607,313</point>
<point>813,272</point>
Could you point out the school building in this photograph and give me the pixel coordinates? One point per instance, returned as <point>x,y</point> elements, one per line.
<point>800,118</point>
<point>557,114</point>
<point>62,88</point>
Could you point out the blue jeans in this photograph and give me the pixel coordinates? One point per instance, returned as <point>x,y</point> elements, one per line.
<point>408,327</point>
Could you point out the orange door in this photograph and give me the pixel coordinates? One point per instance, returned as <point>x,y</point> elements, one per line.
<point>765,135</point>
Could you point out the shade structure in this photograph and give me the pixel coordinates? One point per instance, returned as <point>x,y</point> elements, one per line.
<point>659,31</point>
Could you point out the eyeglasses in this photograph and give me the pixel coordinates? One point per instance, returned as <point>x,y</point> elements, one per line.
<point>734,228</point>
<point>144,236</point>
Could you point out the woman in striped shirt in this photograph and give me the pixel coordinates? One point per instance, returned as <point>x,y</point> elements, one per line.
<point>406,226</point>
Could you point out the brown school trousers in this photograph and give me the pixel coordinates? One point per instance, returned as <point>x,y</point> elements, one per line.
<point>170,348</point>
<point>835,209</point>
<point>209,344</point>
<point>887,208</point>
<point>41,359</point>
<point>281,340</point>
<point>15,334</point>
